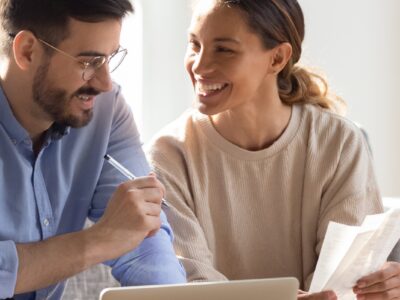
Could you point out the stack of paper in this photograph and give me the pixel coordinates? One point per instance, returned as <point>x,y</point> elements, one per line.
<point>351,252</point>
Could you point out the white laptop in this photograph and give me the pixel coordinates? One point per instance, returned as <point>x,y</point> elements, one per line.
<point>253,289</point>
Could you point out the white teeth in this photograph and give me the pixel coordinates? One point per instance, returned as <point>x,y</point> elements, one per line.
<point>83,97</point>
<point>207,88</point>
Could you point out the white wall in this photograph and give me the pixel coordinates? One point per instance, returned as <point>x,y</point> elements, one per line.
<point>129,74</point>
<point>166,91</point>
<point>152,75</point>
<point>356,43</point>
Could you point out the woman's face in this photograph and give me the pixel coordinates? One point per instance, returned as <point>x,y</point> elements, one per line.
<point>227,63</point>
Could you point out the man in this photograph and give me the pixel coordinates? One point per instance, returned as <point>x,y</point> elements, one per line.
<point>59,115</point>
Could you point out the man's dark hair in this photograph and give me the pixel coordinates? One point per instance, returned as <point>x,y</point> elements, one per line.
<point>48,19</point>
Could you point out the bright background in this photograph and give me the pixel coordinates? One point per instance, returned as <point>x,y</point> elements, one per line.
<point>356,43</point>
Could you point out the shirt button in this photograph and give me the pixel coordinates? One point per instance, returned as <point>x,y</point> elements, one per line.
<point>46,222</point>
<point>14,141</point>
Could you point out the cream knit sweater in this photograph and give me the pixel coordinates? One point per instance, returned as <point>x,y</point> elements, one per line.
<point>239,214</point>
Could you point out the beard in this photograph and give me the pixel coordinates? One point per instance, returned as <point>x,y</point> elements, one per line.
<point>55,101</point>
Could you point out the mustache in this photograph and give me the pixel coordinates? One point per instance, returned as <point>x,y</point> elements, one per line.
<point>87,91</point>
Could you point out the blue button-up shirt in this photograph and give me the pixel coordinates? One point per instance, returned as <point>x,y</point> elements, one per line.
<point>55,192</point>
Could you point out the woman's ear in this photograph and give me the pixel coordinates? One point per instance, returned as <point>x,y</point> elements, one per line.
<point>281,55</point>
<point>25,47</point>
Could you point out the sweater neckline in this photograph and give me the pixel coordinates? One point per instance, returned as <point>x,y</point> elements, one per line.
<point>226,146</point>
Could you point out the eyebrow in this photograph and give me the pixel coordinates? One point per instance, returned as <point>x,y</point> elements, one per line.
<point>226,40</point>
<point>220,39</point>
<point>95,53</point>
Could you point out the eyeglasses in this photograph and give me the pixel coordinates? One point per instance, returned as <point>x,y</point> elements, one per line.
<point>95,62</point>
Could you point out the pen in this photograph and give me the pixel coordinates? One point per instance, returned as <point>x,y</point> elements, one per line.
<point>124,171</point>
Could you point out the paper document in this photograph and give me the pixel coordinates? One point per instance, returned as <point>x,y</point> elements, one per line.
<point>351,252</point>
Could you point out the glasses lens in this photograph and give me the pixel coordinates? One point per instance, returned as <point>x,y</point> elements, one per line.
<point>116,60</point>
<point>92,65</point>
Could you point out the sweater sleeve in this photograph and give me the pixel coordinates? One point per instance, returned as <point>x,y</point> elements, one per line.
<point>352,192</point>
<point>190,242</point>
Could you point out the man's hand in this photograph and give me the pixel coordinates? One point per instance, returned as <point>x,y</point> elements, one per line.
<point>383,284</point>
<point>325,295</point>
<point>132,214</point>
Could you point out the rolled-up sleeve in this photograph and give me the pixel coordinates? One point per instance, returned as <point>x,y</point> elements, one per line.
<point>8,268</point>
<point>153,262</point>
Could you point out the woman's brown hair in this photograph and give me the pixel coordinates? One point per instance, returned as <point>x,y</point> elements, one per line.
<point>280,21</point>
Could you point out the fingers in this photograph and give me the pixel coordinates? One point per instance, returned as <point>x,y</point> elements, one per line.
<point>146,195</point>
<point>144,182</point>
<point>131,215</point>
<point>388,284</point>
<point>324,295</point>
<point>152,209</point>
<point>162,186</point>
<point>383,284</point>
<point>147,188</point>
<point>388,270</point>
<point>386,295</point>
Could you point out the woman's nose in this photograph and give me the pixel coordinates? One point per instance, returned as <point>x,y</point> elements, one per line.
<point>203,64</point>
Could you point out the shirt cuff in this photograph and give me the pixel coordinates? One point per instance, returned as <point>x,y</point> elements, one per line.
<point>8,268</point>
<point>152,262</point>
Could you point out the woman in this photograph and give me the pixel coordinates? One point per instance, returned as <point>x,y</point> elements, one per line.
<point>257,171</point>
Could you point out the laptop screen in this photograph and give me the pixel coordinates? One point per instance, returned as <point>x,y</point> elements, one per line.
<point>253,289</point>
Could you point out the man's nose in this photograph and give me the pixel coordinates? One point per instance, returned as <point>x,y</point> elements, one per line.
<point>102,79</point>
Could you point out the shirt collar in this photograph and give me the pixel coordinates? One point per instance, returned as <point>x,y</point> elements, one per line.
<point>14,129</point>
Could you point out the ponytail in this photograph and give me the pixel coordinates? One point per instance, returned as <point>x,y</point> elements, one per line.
<point>300,85</point>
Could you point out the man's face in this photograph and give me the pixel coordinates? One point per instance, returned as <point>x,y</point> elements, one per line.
<point>59,90</point>
<point>56,102</point>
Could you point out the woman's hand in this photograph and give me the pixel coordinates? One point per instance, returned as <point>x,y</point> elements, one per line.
<point>325,295</point>
<point>383,284</point>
